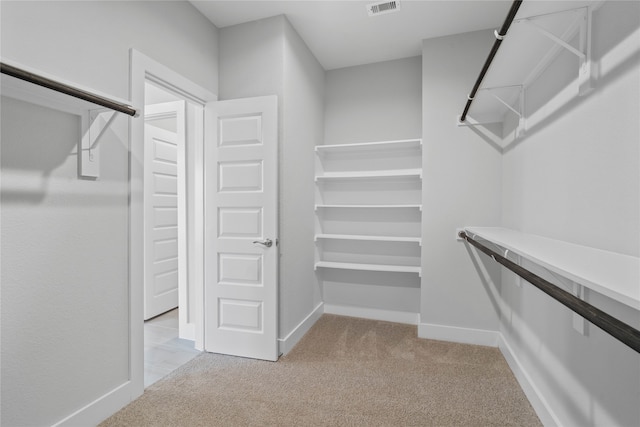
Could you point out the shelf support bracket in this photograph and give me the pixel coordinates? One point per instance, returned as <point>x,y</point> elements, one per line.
<point>583,52</point>
<point>579,322</point>
<point>519,112</point>
<point>94,125</point>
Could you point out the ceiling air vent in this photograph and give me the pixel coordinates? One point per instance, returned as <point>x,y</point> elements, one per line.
<point>374,9</point>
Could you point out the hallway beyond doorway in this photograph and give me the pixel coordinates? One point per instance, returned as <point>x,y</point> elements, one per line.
<point>163,350</point>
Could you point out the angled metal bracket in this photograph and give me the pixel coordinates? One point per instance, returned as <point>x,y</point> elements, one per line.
<point>519,111</point>
<point>583,51</point>
<point>579,322</point>
<point>94,125</point>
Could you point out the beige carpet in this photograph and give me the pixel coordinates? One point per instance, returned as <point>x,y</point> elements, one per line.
<point>344,372</point>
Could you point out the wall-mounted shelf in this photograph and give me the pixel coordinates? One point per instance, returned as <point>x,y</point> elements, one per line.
<point>537,35</point>
<point>614,275</point>
<point>366,146</point>
<point>369,267</point>
<point>376,174</point>
<point>368,232</point>
<point>323,206</point>
<point>398,239</point>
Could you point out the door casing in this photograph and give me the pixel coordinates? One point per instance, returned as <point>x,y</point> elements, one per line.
<point>144,69</point>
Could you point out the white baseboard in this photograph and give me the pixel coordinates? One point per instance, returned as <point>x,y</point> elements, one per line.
<point>373,314</point>
<point>460,335</point>
<point>495,339</point>
<point>101,408</point>
<point>286,344</point>
<point>537,400</point>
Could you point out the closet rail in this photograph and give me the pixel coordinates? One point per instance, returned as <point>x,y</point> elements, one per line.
<point>496,45</point>
<point>614,327</point>
<point>66,89</point>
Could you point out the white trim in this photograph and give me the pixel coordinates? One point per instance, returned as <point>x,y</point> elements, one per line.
<point>136,228</point>
<point>144,68</point>
<point>495,339</point>
<point>286,344</point>
<point>459,335</point>
<point>536,398</point>
<point>100,409</point>
<point>373,314</point>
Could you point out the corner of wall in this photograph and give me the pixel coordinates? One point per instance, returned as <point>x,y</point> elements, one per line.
<point>286,344</point>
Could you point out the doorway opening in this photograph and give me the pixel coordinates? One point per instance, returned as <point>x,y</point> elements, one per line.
<point>166,220</point>
<point>168,295</point>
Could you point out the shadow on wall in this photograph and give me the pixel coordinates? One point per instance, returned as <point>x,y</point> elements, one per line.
<point>492,283</point>
<point>615,51</point>
<point>599,82</point>
<point>36,141</point>
<point>579,391</point>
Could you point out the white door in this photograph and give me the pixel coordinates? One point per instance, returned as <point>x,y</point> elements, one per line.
<point>164,207</point>
<point>241,227</point>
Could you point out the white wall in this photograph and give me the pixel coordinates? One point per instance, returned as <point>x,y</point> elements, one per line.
<point>303,112</point>
<point>267,57</point>
<point>368,103</point>
<point>64,267</point>
<point>65,291</point>
<point>461,187</point>
<point>252,60</point>
<point>374,102</point>
<point>576,177</point>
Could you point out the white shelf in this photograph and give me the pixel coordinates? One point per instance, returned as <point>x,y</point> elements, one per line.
<point>369,238</point>
<point>360,188</point>
<point>614,275</point>
<point>541,31</point>
<point>369,267</point>
<point>400,173</point>
<point>370,206</point>
<point>399,144</point>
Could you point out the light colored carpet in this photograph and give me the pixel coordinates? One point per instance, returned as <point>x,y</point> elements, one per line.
<point>344,372</point>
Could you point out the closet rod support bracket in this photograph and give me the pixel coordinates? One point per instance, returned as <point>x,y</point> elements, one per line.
<point>94,125</point>
<point>580,324</point>
<point>583,51</point>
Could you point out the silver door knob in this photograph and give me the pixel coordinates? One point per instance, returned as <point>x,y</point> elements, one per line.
<point>268,242</point>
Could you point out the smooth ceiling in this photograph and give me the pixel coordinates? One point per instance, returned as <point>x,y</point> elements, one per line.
<point>341,34</point>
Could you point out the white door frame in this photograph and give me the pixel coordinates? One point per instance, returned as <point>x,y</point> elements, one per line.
<point>144,69</point>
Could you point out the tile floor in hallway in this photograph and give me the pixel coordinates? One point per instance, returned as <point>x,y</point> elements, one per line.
<point>163,350</point>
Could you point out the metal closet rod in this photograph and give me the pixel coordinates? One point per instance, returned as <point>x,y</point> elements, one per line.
<point>66,89</point>
<point>496,45</point>
<point>614,327</point>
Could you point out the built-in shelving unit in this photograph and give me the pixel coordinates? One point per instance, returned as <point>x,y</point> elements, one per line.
<point>368,222</point>
<point>614,275</point>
